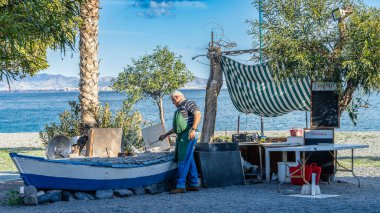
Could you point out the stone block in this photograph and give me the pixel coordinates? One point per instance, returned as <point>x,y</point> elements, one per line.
<point>67,196</point>
<point>306,190</point>
<point>123,192</point>
<point>83,196</point>
<point>39,193</point>
<point>50,197</point>
<point>163,187</point>
<point>104,194</point>
<point>138,191</point>
<point>151,189</point>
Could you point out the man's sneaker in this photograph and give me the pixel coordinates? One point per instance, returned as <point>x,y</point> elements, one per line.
<point>177,191</point>
<point>192,188</point>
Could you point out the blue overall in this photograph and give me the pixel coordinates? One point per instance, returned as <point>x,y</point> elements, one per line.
<point>187,168</point>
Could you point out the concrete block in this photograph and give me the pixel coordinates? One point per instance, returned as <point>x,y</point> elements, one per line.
<point>30,195</point>
<point>306,190</point>
<point>138,191</point>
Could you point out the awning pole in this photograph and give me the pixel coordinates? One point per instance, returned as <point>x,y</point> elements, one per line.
<point>262,126</point>
<point>261,59</point>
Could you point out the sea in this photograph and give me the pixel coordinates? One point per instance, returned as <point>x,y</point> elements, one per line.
<point>31,111</point>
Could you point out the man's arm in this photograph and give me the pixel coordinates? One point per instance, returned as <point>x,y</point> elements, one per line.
<point>162,137</point>
<point>197,119</point>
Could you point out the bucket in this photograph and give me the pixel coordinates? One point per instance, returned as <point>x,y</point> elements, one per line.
<point>317,170</point>
<point>296,171</point>
<point>281,171</point>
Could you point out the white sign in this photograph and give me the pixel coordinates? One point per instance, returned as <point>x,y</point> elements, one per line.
<point>324,86</point>
<point>319,134</point>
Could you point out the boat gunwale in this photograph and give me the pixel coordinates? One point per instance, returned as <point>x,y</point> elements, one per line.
<point>71,161</point>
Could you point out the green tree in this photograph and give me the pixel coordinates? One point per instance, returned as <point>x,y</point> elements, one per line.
<point>29,28</point>
<point>301,39</point>
<point>153,76</point>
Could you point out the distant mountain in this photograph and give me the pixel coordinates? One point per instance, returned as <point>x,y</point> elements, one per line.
<point>47,82</point>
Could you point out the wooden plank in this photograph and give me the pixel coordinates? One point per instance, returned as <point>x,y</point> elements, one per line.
<point>151,134</point>
<point>104,142</point>
<point>89,145</point>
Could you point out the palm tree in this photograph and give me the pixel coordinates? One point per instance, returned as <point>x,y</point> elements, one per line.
<point>89,65</point>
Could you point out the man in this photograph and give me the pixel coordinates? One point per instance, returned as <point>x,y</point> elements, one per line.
<point>185,123</point>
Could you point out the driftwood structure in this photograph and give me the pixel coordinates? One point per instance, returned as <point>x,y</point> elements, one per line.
<point>214,84</point>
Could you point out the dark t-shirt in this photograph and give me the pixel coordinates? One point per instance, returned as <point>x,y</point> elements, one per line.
<point>188,109</point>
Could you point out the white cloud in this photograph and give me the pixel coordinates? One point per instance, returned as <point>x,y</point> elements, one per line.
<point>191,4</point>
<point>159,8</point>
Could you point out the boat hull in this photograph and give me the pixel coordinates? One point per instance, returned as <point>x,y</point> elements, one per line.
<point>71,175</point>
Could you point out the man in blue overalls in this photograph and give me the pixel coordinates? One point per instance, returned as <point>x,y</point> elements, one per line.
<point>185,123</point>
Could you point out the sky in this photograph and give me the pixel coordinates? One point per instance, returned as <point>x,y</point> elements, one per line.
<point>131,28</point>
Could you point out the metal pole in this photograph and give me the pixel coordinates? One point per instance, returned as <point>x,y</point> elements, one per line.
<point>238,124</point>
<point>306,118</point>
<point>262,126</point>
<point>260,56</point>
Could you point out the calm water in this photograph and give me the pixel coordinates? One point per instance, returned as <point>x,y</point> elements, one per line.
<point>29,112</point>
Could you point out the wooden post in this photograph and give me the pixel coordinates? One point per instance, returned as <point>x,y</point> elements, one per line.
<point>214,84</point>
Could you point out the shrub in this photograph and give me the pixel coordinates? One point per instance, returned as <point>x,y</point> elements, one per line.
<point>14,198</point>
<point>127,119</point>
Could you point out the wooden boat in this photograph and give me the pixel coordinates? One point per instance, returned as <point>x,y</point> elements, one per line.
<point>87,174</point>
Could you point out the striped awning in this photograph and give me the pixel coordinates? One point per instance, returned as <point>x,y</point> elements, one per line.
<point>253,90</point>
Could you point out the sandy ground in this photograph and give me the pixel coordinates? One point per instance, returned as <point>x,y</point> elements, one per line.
<point>261,197</point>
<point>17,140</point>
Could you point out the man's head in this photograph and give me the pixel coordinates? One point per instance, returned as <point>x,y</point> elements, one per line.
<point>177,97</point>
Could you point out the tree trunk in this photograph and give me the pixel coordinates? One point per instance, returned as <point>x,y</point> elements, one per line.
<point>214,84</point>
<point>162,113</point>
<point>347,95</point>
<point>89,65</point>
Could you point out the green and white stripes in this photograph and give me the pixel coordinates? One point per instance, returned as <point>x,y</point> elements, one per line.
<point>253,90</point>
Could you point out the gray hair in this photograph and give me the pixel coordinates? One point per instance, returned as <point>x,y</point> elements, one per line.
<point>177,93</point>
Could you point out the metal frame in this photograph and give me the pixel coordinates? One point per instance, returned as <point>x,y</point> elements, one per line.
<point>312,148</point>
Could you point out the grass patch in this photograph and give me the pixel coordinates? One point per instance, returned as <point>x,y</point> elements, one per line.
<point>14,198</point>
<point>6,163</point>
<point>366,162</point>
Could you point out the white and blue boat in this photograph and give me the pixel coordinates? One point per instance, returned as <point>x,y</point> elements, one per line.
<point>88,174</point>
